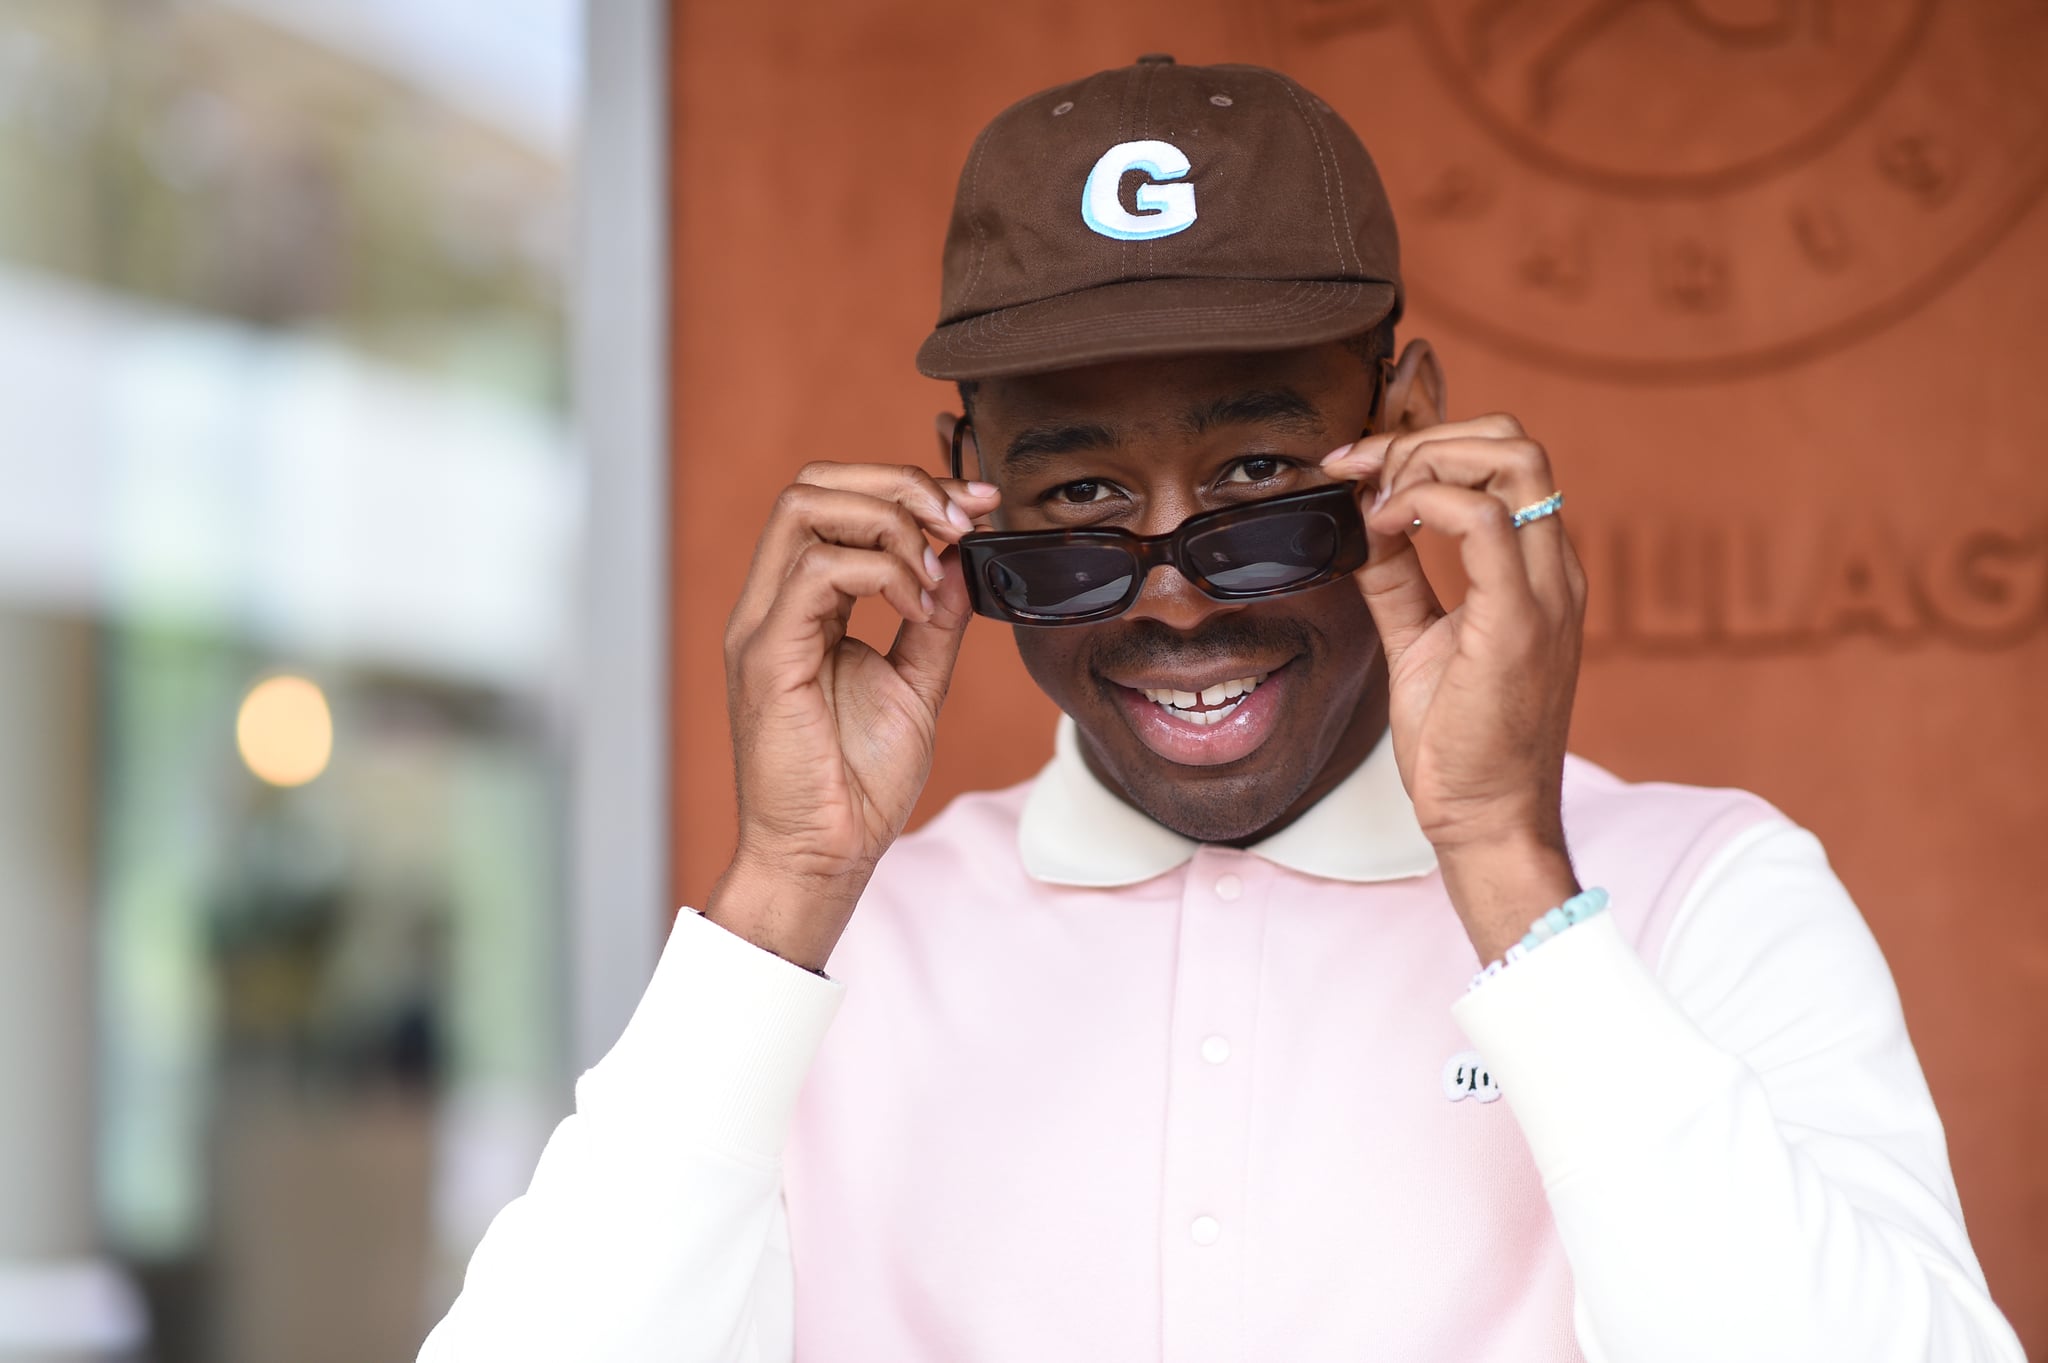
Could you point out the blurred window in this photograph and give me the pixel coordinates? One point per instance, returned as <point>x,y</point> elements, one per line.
<point>282,330</point>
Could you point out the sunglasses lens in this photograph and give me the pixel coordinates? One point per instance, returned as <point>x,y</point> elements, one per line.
<point>1060,581</point>
<point>1266,555</point>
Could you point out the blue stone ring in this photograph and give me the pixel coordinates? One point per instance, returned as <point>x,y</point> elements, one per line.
<point>1536,511</point>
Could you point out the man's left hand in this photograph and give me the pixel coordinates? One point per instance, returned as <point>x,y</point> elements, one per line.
<point>1481,696</point>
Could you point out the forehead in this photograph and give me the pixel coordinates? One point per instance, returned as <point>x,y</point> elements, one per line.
<point>1141,394</point>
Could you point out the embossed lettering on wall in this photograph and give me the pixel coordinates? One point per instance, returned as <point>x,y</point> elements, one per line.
<point>1686,189</point>
<point>1692,585</point>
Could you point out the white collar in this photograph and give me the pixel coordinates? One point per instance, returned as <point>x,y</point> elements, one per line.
<point>1075,831</point>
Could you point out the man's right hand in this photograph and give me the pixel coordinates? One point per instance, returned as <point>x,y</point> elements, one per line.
<point>832,741</point>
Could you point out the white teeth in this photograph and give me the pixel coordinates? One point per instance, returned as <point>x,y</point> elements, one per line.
<point>1223,691</point>
<point>1183,703</point>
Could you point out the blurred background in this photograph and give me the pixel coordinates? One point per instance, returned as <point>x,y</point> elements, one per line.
<point>393,388</point>
<point>292,528</point>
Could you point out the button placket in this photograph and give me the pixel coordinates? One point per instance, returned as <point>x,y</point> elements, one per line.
<point>1209,1104</point>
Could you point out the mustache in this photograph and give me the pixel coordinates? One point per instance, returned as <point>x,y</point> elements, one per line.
<point>1148,643</point>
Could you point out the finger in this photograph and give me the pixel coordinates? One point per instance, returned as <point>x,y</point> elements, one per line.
<point>809,614</point>
<point>926,650</point>
<point>1492,426</point>
<point>1575,575</point>
<point>1499,592</point>
<point>1366,456</point>
<point>1402,447</point>
<point>1360,461</point>
<point>1516,470</point>
<point>807,514</point>
<point>1397,592</point>
<point>946,508</point>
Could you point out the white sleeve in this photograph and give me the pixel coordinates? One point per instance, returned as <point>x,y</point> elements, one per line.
<point>1740,1152</point>
<point>654,1228</point>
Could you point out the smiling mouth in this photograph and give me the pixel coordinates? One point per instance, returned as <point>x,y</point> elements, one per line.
<point>1211,705</point>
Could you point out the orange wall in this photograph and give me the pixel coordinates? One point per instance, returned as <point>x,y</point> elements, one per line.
<point>1775,304</point>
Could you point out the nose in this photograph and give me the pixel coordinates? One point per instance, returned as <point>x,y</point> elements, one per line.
<point>1175,602</point>
<point>1168,597</point>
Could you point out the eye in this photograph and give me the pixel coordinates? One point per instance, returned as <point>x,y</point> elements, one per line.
<point>1083,492</point>
<point>1257,468</point>
<point>1084,501</point>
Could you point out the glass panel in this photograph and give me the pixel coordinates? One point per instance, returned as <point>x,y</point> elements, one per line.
<point>1068,580</point>
<point>285,559</point>
<point>1267,553</point>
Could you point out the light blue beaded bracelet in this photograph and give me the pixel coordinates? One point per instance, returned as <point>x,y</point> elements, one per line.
<point>1573,911</point>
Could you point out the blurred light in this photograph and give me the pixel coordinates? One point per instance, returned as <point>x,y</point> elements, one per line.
<point>285,731</point>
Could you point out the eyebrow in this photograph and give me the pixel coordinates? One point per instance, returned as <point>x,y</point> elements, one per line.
<point>1283,409</point>
<point>1035,446</point>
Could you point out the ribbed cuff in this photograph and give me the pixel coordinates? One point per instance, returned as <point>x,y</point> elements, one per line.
<point>719,1046</point>
<point>1588,1049</point>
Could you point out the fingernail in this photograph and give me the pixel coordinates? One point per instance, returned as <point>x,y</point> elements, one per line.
<point>925,600</point>
<point>932,569</point>
<point>1334,455</point>
<point>1381,500</point>
<point>982,489</point>
<point>958,517</point>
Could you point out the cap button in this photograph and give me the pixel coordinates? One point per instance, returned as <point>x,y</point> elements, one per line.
<point>1156,59</point>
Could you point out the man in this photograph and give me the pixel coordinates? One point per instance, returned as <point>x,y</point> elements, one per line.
<point>1178,1051</point>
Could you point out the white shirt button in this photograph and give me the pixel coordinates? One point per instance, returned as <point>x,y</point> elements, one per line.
<point>1228,888</point>
<point>1215,1050</point>
<point>1206,1230</point>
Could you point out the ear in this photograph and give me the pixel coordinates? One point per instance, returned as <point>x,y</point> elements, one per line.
<point>970,453</point>
<point>1416,395</point>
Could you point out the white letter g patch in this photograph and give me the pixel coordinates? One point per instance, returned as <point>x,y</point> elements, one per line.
<point>1164,208</point>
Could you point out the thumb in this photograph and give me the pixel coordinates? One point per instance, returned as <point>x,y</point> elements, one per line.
<point>925,651</point>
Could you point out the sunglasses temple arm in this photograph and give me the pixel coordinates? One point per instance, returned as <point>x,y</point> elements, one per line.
<point>959,435</point>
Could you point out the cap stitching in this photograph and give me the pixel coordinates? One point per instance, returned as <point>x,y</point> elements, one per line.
<point>1292,282</point>
<point>1324,295</point>
<point>1143,321</point>
<point>1145,128</point>
<point>1206,279</point>
<point>1123,135</point>
<point>974,224</point>
<point>996,315</point>
<point>1322,161</point>
<point>974,218</point>
<point>1267,325</point>
<point>952,346</point>
<point>1343,199</point>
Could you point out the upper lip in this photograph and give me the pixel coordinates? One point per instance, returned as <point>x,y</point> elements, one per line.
<point>1211,674</point>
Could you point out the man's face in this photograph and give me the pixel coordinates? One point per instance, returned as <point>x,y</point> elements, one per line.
<point>1142,445</point>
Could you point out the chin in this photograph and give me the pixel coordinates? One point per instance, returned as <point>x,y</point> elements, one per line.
<point>1216,807</point>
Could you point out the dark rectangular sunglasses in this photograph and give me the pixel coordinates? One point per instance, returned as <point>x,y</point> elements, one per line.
<point>1283,544</point>
<point>1239,553</point>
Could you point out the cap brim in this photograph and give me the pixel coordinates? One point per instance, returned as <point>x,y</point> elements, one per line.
<point>1153,317</point>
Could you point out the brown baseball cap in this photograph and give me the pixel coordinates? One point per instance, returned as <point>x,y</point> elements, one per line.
<point>1160,209</point>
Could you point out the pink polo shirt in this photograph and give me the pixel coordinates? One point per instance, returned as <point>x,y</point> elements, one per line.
<point>1081,1089</point>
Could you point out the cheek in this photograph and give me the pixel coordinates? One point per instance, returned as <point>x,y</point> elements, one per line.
<point>1348,623</point>
<point>1351,642</point>
<point>1053,658</point>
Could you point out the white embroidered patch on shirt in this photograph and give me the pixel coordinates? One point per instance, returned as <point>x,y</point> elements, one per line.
<point>1465,1076</point>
